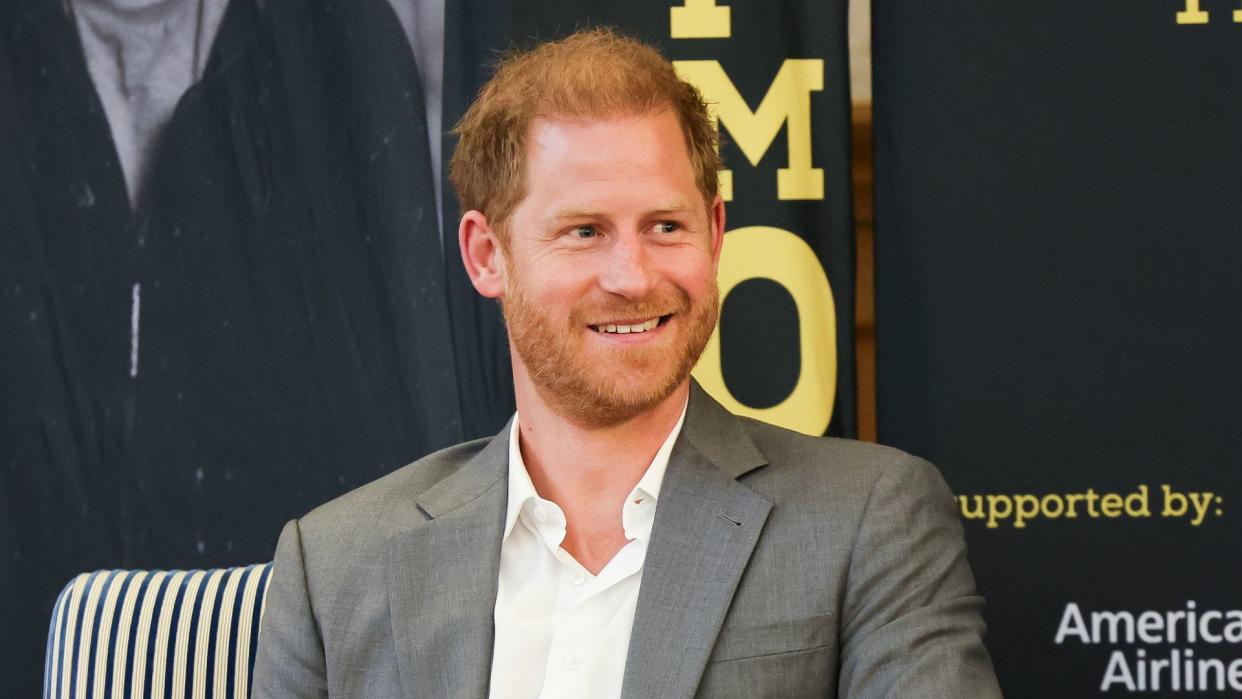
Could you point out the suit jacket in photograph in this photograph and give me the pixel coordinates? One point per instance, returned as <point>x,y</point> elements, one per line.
<point>780,565</point>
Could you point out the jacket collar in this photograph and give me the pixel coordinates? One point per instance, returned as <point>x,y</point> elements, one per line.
<point>706,526</point>
<point>442,574</point>
<point>443,571</point>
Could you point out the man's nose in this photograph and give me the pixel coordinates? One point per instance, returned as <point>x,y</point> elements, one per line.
<point>627,269</point>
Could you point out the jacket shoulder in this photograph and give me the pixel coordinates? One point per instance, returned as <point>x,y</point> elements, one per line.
<point>788,449</point>
<point>391,499</point>
<point>799,465</point>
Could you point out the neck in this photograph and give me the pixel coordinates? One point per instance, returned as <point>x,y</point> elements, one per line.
<point>589,470</point>
<point>573,461</point>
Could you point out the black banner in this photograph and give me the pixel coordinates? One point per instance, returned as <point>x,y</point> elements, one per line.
<point>1059,191</point>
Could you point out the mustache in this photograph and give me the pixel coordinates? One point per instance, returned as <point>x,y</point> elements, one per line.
<point>655,307</point>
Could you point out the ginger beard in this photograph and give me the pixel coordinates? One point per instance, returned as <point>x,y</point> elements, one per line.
<point>596,385</point>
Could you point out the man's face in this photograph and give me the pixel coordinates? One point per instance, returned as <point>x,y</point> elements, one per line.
<point>610,265</point>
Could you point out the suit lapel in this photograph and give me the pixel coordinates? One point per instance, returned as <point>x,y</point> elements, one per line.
<point>706,526</point>
<point>442,575</point>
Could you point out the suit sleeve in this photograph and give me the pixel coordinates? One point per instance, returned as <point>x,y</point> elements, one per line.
<point>290,660</point>
<point>912,624</point>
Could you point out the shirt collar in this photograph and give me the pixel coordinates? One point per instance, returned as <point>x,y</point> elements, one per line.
<point>521,489</point>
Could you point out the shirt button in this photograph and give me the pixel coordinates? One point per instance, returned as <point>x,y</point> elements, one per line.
<point>577,578</point>
<point>572,662</point>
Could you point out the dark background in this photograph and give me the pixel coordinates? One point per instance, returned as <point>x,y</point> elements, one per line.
<point>1058,208</point>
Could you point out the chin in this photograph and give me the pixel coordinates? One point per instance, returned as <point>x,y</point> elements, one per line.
<point>606,401</point>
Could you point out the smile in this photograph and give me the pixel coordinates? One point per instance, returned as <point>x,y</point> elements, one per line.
<point>627,328</point>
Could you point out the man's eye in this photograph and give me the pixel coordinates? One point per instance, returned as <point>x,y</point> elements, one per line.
<point>667,226</point>
<point>584,232</point>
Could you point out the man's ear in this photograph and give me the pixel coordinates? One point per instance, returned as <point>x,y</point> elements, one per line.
<point>718,228</point>
<point>481,254</point>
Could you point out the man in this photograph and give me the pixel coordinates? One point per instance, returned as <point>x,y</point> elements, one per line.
<point>624,535</point>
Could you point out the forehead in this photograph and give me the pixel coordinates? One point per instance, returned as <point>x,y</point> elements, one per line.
<point>620,150</point>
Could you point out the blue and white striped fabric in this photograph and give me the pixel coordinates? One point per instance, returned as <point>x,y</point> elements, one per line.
<point>126,634</point>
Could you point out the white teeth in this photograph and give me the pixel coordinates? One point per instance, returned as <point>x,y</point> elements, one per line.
<point>626,329</point>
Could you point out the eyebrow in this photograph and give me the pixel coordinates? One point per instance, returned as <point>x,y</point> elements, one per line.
<point>667,208</point>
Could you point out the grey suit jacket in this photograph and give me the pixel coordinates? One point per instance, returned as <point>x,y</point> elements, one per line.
<point>779,566</point>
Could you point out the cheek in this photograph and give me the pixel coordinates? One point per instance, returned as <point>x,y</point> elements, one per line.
<point>549,278</point>
<point>697,276</point>
<point>559,295</point>
<point>566,289</point>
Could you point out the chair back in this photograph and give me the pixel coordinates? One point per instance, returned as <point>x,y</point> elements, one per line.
<point>126,634</point>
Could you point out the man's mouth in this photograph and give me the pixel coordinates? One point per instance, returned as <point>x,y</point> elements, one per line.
<point>641,326</point>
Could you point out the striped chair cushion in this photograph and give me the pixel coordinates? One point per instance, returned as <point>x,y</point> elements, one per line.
<point>138,633</point>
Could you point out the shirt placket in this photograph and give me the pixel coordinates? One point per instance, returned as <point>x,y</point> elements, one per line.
<point>583,609</point>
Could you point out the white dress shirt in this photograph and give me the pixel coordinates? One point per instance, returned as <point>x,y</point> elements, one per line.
<point>560,631</point>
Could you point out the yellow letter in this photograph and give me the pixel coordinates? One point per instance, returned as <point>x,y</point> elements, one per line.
<point>1175,504</point>
<point>699,19</point>
<point>1045,505</point>
<point>773,253</point>
<point>1193,15</point>
<point>1027,508</point>
<point>788,101</point>
<point>995,512</point>
<point>1136,503</point>
<point>966,513</point>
